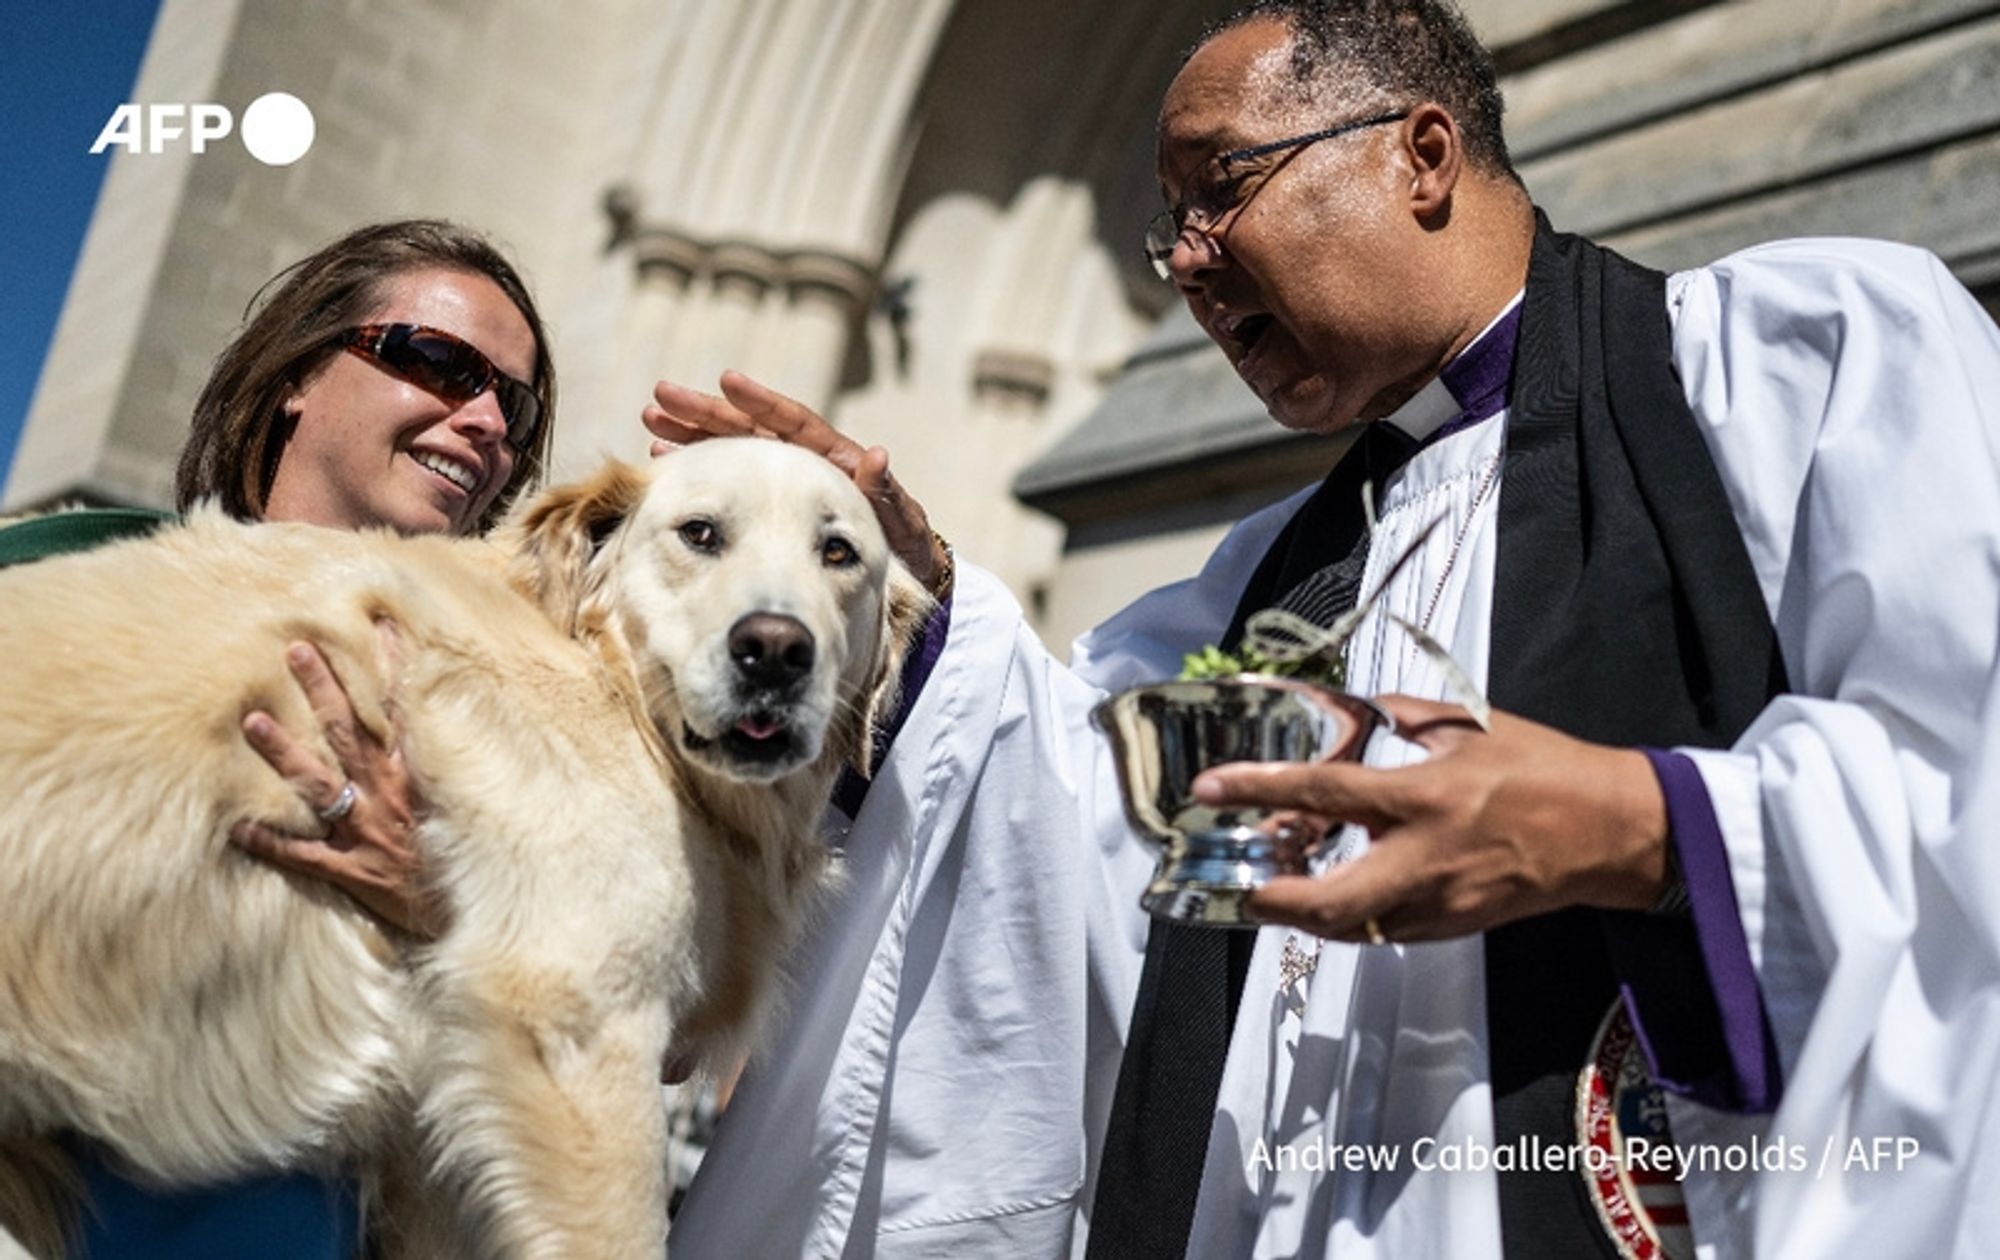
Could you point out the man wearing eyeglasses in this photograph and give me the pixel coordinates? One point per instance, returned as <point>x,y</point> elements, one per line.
<point>1681,949</point>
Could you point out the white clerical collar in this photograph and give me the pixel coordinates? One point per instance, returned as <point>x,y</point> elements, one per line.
<point>1435,406</point>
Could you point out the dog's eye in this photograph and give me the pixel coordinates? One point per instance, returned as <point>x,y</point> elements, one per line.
<point>838,553</point>
<point>700,534</point>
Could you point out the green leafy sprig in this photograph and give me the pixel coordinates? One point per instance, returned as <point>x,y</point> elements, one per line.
<point>1212,662</point>
<point>1281,644</point>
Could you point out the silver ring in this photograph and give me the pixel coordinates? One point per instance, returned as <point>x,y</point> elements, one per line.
<point>1375,934</point>
<point>343,805</point>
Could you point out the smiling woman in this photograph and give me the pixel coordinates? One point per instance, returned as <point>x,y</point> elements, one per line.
<point>407,429</point>
<point>398,377</point>
<point>428,428</point>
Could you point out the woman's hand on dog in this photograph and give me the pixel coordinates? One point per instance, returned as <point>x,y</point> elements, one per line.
<point>370,852</point>
<point>678,416</point>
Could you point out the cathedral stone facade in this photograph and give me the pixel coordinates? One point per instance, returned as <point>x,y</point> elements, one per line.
<point>922,216</point>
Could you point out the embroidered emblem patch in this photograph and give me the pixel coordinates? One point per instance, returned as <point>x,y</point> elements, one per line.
<point>1621,1129</point>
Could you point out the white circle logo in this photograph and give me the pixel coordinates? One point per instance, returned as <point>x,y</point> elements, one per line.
<point>277,129</point>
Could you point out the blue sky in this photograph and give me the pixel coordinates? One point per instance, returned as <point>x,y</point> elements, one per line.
<point>64,66</point>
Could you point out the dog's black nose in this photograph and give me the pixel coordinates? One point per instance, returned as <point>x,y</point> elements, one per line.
<point>771,649</point>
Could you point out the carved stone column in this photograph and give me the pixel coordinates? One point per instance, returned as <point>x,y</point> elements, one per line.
<point>757,210</point>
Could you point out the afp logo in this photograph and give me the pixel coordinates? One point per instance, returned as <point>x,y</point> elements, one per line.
<point>277,128</point>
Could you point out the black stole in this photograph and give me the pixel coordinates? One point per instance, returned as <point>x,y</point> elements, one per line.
<point>1626,612</point>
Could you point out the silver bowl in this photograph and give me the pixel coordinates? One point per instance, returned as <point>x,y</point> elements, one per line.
<point>1164,734</point>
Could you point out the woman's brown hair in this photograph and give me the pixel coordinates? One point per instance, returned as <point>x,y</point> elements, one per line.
<point>292,328</point>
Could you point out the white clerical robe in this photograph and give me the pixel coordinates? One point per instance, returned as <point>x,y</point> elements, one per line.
<point>939,1082</point>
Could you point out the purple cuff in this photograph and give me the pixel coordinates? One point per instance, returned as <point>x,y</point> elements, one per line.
<point>917,666</point>
<point>1687,979</point>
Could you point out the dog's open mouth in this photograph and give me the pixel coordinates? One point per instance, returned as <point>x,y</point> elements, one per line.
<point>758,738</point>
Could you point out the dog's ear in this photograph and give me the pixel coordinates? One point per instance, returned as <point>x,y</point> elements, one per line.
<point>906,610</point>
<point>557,539</point>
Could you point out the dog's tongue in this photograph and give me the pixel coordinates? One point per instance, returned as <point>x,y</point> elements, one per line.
<point>758,726</point>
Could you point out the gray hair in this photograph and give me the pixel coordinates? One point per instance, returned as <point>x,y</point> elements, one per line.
<point>1402,52</point>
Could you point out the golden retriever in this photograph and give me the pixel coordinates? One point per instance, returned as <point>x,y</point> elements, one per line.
<point>625,712</point>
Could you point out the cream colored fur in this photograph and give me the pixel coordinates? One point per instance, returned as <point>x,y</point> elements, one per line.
<point>622,877</point>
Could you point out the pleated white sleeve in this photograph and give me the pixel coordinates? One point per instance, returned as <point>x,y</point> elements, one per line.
<point>1850,393</point>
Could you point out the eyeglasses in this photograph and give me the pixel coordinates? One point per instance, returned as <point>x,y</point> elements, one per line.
<point>450,367</point>
<point>1230,189</point>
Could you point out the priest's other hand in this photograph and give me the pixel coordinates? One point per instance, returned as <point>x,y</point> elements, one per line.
<point>1497,825</point>
<point>678,415</point>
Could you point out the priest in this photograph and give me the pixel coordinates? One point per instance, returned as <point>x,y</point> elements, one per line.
<point>1694,945</point>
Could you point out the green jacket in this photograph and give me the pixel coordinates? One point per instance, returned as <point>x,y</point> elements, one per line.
<point>59,533</point>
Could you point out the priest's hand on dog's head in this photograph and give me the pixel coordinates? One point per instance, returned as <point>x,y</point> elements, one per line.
<point>678,416</point>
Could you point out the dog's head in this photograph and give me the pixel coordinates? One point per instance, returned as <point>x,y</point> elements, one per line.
<point>748,586</point>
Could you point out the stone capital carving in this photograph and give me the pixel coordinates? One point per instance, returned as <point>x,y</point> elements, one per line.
<point>1014,376</point>
<point>804,273</point>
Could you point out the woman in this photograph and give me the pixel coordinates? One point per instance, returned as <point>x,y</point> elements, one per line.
<point>304,420</point>
<point>398,377</point>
